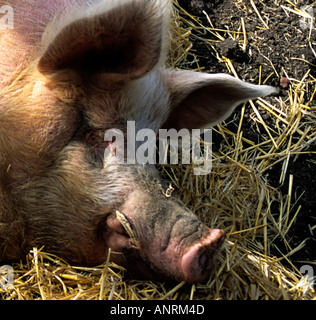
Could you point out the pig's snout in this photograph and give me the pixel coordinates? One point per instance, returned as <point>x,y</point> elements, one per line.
<point>198,260</point>
<point>192,263</point>
<point>163,236</point>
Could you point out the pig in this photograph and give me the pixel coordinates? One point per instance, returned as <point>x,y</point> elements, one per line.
<point>69,71</point>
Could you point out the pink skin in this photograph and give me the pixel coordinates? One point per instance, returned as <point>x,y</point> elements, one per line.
<point>199,258</point>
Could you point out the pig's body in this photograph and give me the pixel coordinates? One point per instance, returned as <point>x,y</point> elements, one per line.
<point>69,71</point>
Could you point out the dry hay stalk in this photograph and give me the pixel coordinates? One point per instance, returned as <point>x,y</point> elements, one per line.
<point>235,197</point>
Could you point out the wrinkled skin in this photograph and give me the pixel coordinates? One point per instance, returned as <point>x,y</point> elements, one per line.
<point>69,71</point>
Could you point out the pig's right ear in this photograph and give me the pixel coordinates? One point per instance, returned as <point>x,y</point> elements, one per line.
<point>115,42</point>
<point>200,100</point>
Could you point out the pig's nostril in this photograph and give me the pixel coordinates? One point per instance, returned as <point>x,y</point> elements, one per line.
<point>203,261</point>
<point>197,262</point>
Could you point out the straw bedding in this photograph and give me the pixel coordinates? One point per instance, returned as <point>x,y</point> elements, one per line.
<point>236,196</point>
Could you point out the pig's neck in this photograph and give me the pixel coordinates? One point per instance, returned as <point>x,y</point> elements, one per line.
<point>11,232</point>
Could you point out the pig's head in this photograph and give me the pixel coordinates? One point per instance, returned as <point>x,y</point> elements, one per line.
<point>97,65</point>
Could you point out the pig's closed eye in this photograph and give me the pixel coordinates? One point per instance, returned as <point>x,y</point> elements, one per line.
<point>95,146</point>
<point>95,139</point>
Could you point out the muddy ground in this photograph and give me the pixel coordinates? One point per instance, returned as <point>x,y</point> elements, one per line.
<point>285,50</point>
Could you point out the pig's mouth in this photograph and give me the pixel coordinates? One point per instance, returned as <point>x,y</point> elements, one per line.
<point>193,263</point>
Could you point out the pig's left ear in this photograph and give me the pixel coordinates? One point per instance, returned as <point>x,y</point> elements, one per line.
<point>111,41</point>
<point>198,99</point>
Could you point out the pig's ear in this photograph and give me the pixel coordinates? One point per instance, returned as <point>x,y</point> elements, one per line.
<point>121,40</point>
<point>198,99</point>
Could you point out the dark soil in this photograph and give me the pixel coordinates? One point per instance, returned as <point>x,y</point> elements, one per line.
<point>282,50</point>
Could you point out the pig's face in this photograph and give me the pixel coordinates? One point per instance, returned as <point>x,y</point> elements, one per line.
<point>96,66</point>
